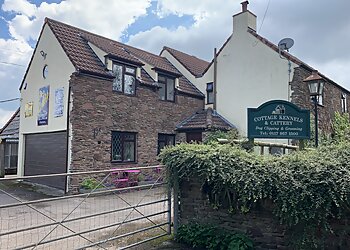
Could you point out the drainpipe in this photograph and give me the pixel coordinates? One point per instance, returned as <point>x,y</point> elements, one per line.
<point>68,138</point>
<point>215,77</point>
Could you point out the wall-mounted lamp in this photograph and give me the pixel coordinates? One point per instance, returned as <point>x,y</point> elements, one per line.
<point>316,84</point>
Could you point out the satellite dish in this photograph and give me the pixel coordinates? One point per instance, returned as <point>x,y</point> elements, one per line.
<point>285,44</point>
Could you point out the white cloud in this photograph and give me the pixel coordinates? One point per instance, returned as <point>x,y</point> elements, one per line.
<point>105,18</point>
<point>108,19</point>
<point>321,30</point>
<point>19,7</point>
<point>5,116</point>
<point>14,56</point>
<point>213,24</point>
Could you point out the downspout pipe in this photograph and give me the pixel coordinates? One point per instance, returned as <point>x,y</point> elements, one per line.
<point>215,78</point>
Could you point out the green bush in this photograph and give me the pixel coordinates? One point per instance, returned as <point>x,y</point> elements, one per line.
<point>219,134</point>
<point>90,184</point>
<point>212,238</point>
<point>341,127</point>
<point>308,187</point>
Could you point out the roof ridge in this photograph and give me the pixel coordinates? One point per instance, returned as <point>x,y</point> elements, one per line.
<point>291,57</point>
<point>191,63</point>
<point>217,53</point>
<point>216,113</point>
<point>166,47</point>
<point>47,19</point>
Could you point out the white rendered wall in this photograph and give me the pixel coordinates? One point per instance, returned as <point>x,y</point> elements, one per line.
<point>249,73</point>
<point>99,52</point>
<point>200,83</point>
<point>59,71</point>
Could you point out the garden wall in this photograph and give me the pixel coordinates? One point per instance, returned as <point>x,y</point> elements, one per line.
<point>259,224</point>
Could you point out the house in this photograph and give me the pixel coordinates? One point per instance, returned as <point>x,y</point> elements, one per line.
<point>89,103</point>
<point>9,145</point>
<point>248,71</point>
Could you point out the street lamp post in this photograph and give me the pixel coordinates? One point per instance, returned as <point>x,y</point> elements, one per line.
<point>316,84</point>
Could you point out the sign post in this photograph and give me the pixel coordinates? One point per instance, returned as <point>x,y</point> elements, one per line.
<point>280,120</point>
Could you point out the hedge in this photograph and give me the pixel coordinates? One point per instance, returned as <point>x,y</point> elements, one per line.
<point>308,187</point>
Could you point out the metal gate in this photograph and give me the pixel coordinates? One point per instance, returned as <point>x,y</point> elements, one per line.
<point>109,209</point>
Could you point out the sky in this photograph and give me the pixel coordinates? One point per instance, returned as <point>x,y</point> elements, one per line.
<point>320,30</point>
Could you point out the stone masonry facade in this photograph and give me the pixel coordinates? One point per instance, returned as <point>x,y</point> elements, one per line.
<point>331,99</point>
<point>97,111</point>
<point>259,224</point>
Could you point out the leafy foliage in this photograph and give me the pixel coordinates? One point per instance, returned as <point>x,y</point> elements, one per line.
<point>212,238</point>
<point>341,127</point>
<point>308,187</point>
<point>214,135</point>
<point>90,184</point>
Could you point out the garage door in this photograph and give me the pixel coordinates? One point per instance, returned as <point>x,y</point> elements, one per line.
<point>46,154</point>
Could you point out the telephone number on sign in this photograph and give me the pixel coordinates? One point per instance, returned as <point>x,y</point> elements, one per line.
<point>284,133</point>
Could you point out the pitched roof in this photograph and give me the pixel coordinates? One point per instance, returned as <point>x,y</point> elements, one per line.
<point>284,53</point>
<point>11,128</point>
<point>75,42</point>
<point>205,119</point>
<point>194,65</point>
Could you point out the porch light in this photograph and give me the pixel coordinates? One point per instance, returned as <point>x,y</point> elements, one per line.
<point>316,84</point>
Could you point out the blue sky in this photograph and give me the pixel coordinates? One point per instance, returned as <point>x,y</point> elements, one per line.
<point>319,29</point>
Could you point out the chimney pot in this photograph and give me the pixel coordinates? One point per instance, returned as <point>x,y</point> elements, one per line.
<point>245,6</point>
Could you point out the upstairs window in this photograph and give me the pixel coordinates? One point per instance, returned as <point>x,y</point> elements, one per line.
<point>167,88</point>
<point>124,80</point>
<point>344,105</point>
<point>210,93</point>
<point>123,146</point>
<point>165,140</point>
<point>320,99</point>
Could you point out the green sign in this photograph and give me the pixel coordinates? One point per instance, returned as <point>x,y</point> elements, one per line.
<point>278,119</point>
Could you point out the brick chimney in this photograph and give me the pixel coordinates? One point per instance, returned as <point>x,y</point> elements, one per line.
<point>245,6</point>
<point>244,20</point>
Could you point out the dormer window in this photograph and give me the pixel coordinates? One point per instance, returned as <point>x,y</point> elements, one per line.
<point>125,79</point>
<point>166,88</point>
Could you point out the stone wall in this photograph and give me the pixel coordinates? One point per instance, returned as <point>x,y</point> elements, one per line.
<point>259,224</point>
<point>97,110</point>
<point>300,96</point>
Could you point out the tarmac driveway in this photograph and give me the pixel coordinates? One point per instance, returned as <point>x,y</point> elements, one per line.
<point>94,213</point>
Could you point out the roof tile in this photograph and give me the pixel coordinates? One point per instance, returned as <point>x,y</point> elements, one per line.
<point>193,64</point>
<point>75,43</point>
<point>205,119</point>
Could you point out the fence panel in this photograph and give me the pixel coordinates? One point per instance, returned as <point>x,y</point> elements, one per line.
<point>107,209</point>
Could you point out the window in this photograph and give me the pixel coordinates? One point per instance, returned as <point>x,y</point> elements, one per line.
<point>123,146</point>
<point>319,99</point>
<point>165,140</point>
<point>167,88</point>
<point>124,80</point>
<point>193,137</point>
<point>344,104</point>
<point>210,93</point>
<point>11,155</point>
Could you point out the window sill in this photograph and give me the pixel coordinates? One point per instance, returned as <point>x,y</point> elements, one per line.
<point>122,93</point>
<point>123,162</point>
<point>166,101</point>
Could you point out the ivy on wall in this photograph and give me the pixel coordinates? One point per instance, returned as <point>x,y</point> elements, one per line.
<point>308,188</point>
